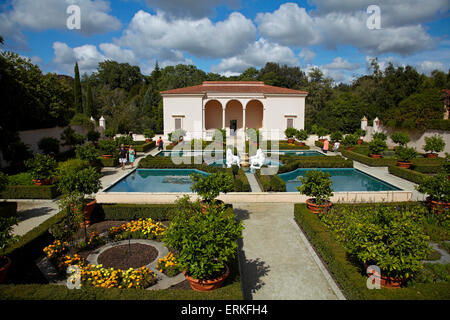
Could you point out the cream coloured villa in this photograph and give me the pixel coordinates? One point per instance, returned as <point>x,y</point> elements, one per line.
<point>234,106</point>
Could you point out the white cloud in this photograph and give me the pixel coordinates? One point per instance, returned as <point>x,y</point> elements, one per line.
<point>427,67</point>
<point>256,55</point>
<point>339,63</point>
<point>87,57</point>
<point>307,55</point>
<point>147,33</point>
<point>116,53</point>
<point>289,25</point>
<point>292,25</point>
<point>51,14</point>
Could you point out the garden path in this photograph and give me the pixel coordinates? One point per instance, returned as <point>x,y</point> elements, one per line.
<point>277,262</point>
<point>32,213</point>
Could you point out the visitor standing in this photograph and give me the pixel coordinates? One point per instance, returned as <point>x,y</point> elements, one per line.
<point>122,156</point>
<point>326,145</point>
<point>336,146</point>
<point>131,156</point>
<point>160,144</point>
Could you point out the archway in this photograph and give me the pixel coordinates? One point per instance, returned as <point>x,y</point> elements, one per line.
<point>233,115</point>
<point>254,114</point>
<point>213,115</point>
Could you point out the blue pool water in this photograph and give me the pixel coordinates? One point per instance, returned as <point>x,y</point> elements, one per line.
<point>297,153</point>
<point>156,180</point>
<point>344,179</point>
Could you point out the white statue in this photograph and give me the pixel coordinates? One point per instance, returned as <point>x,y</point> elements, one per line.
<point>257,161</point>
<point>232,159</point>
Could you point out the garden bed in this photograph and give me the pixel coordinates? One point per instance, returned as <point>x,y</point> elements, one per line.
<point>126,256</point>
<point>350,276</point>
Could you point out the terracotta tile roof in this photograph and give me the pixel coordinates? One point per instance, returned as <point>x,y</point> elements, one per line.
<point>233,86</point>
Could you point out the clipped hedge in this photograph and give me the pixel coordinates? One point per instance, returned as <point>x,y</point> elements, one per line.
<point>127,212</point>
<point>292,163</point>
<point>351,278</point>
<point>439,124</point>
<point>271,182</point>
<point>318,143</point>
<point>407,174</point>
<point>383,162</point>
<point>30,192</point>
<point>111,162</point>
<point>144,147</point>
<point>8,209</point>
<point>241,183</point>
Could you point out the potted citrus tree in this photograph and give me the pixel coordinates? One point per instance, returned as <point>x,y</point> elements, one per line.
<point>438,190</point>
<point>433,145</point>
<point>405,155</point>
<point>321,132</point>
<point>87,152</point>
<point>148,134</point>
<point>42,169</point>
<point>350,141</point>
<point>290,133</point>
<point>107,148</point>
<point>376,148</point>
<point>400,138</point>
<point>203,242</point>
<point>317,184</point>
<point>301,136</point>
<point>361,134</point>
<point>78,185</point>
<point>336,136</point>
<point>209,187</point>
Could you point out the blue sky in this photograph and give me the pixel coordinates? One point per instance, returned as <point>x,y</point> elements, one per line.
<point>227,37</point>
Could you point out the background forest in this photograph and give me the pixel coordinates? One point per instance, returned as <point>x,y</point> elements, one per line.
<point>130,101</point>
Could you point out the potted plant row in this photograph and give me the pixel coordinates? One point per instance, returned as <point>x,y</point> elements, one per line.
<point>204,242</point>
<point>350,141</point>
<point>405,155</point>
<point>376,148</point>
<point>434,145</point>
<point>42,169</point>
<point>438,190</point>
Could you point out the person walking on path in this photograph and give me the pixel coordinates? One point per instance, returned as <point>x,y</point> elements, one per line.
<point>326,145</point>
<point>160,144</point>
<point>122,156</point>
<point>131,156</point>
<point>336,146</point>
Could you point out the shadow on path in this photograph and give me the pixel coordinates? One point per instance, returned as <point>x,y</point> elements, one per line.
<point>32,213</point>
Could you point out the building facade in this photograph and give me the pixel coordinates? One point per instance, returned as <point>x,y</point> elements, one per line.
<point>234,106</point>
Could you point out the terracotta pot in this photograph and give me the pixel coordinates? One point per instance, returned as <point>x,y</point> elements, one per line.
<point>147,140</point>
<point>107,156</point>
<point>432,155</point>
<point>87,211</point>
<point>4,268</point>
<point>404,164</point>
<point>317,208</point>
<point>360,141</point>
<point>350,148</point>
<point>300,144</point>
<point>43,182</point>
<point>376,156</point>
<point>388,282</point>
<point>322,140</point>
<point>291,141</point>
<point>207,285</point>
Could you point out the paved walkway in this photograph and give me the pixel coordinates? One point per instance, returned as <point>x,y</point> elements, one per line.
<point>277,262</point>
<point>254,186</point>
<point>32,213</point>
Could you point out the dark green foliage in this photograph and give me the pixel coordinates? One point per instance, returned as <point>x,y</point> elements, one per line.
<point>400,138</point>
<point>125,139</point>
<point>118,75</point>
<point>107,147</point>
<point>49,145</point>
<point>85,181</point>
<point>350,140</point>
<point>3,181</point>
<point>405,154</point>
<point>42,166</point>
<point>78,100</point>
<point>439,124</point>
<point>411,175</point>
<point>377,146</point>
<point>21,179</point>
<point>30,192</point>
<point>271,182</point>
<point>210,186</point>
<point>111,162</point>
<point>434,144</point>
<point>290,132</point>
<point>87,152</point>
<point>336,136</point>
<point>93,136</point>
<point>8,209</point>
<point>301,135</point>
<point>349,276</point>
<point>145,146</point>
<point>128,212</point>
<point>71,138</point>
<point>437,187</point>
<point>89,110</point>
<point>109,133</point>
<point>380,136</point>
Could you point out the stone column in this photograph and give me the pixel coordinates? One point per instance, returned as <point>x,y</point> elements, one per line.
<point>376,125</point>
<point>364,123</point>
<point>102,122</point>
<point>203,134</point>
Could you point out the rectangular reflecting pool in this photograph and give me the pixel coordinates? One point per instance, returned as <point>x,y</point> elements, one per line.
<point>156,180</point>
<point>343,179</point>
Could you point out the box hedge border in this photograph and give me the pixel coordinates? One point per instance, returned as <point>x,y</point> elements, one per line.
<point>407,174</point>
<point>350,277</point>
<point>145,146</point>
<point>30,192</point>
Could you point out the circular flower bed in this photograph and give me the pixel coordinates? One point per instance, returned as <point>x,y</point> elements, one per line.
<point>127,256</point>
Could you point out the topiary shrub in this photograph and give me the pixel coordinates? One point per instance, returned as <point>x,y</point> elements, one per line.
<point>336,136</point>
<point>49,145</point>
<point>316,184</point>
<point>209,187</point>
<point>405,154</point>
<point>301,135</point>
<point>41,167</point>
<point>379,135</point>
<point>377,146</point>
<point>434,144</point>
<point>400,138</point>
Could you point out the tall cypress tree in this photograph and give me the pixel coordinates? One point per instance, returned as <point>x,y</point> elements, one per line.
<point>78,102</point>
<point>89,103</point>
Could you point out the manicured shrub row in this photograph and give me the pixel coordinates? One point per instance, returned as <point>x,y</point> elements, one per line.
<point>352,279</point>
<point>318,143</point>
<point>284,145</point>
<point>158,212</point>
<point>145,146</point>
<point>8,209</point>
<point>111,162</point>
<point>30,192</point>
<point>241,183</point>
<point>407,174</point>
<point>271,183</point>
<point>338,162</point>
<point>367,160</point>
<point>439,124</point>
<point>427,168</point>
